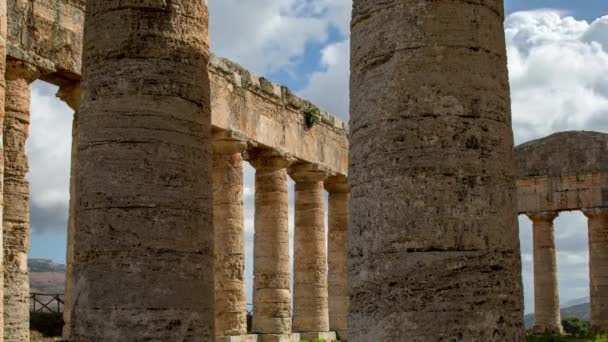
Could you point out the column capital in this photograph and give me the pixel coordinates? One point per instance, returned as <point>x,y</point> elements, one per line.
<point>70,94</point>
<point>228,143</point>
<point>337,184</point>
<point>595,212</point>
<point>17,69</point>
<point>268,160</point>
<point>307,172</point>
<point>543,216</point>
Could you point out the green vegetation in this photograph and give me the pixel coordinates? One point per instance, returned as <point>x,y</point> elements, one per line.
<point>312,115</point>
<point>47,324</point>
<point>575,330</point>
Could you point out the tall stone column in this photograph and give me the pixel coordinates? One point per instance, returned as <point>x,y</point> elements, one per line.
<point>3,34</point>
<point>230,295</point>
<point>337,254</point>
<point>271,266</point>
<point>598,268</point>
<point>546,292</point>
<point>16,217</point>
<point>433,236</point>
<point>143,250</point>
<point>70,94</point>
<point>310,305</point>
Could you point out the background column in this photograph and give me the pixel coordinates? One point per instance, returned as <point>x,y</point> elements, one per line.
<point>70,94</point>
<point>337,254</point>
<point>546,292</point>
<point>271,266</point>
<point>3,32</point>
<point>16,217</point>
<point>143,250</point>
<point>598,268</point>
<point>310,305</point>
<point>230,297</point>
<point>433,238</point>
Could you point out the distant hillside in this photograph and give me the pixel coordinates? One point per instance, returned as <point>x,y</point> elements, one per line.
<point>44,265</point>
<point>46,276</point>
<point>580,311</point>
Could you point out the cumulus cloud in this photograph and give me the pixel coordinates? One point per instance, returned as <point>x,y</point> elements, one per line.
<point>272,35</point>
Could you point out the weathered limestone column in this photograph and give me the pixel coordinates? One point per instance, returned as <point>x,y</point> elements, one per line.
<point>230,295</point>
<point>433,236</point>
<point>16,217</point>
<point>546,292</point>
<point>310,305</point>
<point>143,250</point>
<point>271,266</point>
<point>70,94</point>
<point>337,254</point>
<point>598,268</point>
<point>3,34</point>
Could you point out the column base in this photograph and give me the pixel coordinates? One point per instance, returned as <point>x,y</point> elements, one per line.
<point>545,329</point>
<point>294,337</point>
<point>342,335</point>
<point>242,338</point>
<point>327,336</point>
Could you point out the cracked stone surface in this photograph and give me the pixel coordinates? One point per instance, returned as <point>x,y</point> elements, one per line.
<point>433,241</point>
<point>3,29</point>
<point>598,263</point>
<point>143,250</point>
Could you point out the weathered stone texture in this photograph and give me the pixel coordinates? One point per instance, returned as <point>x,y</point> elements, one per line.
<point>546,292</point>
<point>337,255</point>
<point>565,171</point>
<point>230,295</point>
<point>270,115</point>
<point>598,264</point>
<point>3,29</point>
<point>310,305</point>
<point>433,241</point>
<point>143,250</point>
<point>271,266</point>
<point>48,34</point>
<point>16,216</point>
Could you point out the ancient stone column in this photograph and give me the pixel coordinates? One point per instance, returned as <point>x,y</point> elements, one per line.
<point>598,268</point>
<point>310,305</point>
<point>16,217</point>
<point>230,295</point>
<point>70,94</point>
<point>546,292</point>
<point>271,266</point>
<point>3,34</point>
<point>143,250</point>
<point>433,236</point>
<point>337,254</point>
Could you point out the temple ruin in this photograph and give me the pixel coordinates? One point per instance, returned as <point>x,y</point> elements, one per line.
<point>162,128</point>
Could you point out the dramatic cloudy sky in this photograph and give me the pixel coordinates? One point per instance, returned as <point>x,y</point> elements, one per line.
<point>558,62</point>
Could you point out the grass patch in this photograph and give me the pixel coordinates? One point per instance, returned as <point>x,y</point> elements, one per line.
<point>47,324</point>
<point>566,338</point>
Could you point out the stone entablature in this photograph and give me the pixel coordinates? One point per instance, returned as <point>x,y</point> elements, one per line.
<point>563,172</point>
<point>48,35</point>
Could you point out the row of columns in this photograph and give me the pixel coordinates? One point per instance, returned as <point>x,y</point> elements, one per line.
<point>546,295</point>
<point>316,310</point>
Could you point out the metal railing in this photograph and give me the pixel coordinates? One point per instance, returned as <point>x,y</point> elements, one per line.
<point>47,303</point>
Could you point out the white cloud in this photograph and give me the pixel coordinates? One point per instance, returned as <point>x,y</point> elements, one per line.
<point>272,35</point>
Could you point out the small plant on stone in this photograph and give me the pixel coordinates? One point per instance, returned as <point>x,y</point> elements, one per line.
<point>311,115</point>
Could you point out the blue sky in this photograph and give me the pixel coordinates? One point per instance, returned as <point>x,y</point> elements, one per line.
<point>559,78</point>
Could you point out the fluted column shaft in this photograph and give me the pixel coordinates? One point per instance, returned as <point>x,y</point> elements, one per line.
<point>230,295</point>
<point>70,94</point>
<point>3,34</point>
<point>598,268</point>
<point>16,217</point>
<point>310,303</point>
<point>546,292</point>
<point>434,251</point>
<point>143,247</point>
<point>337,254</point>
<point>271,266</point>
